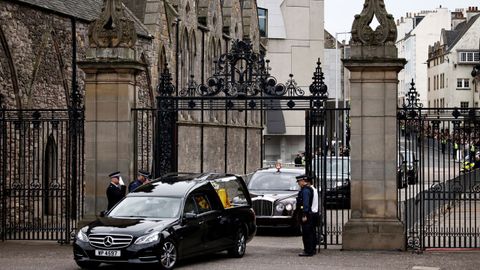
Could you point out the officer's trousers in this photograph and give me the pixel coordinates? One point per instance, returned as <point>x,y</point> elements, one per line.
<point>317,228</point>
<point>308,235</point>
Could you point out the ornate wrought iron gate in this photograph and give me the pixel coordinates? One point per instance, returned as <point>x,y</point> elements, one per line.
<point>241,88</point>
<point>438,175</point>
<point>328,160</point>
<point>41,170</point>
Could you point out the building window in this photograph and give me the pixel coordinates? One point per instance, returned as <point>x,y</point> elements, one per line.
<point>428,85</point>
<point>463,84</point>
<point>263,22</point>
<point>468,57</point>
<point>464,104</point>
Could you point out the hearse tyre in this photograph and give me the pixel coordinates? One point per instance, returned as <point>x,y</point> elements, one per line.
<point>240,244</point>
<point>169,255</point>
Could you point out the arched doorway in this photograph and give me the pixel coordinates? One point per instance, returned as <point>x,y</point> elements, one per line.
<point>50,177</point>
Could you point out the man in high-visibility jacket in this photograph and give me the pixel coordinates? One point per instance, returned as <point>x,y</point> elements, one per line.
<point>444,144</point>
<point>455,149</point>
<point>472,152</point>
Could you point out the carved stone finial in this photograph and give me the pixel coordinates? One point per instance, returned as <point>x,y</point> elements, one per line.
<point>113,29</point>
<point>384,34</point>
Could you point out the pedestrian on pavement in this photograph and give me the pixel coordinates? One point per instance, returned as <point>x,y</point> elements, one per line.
<point>116,190</point>
<point>304,208</point>
<point>142,179</point>
<point>298,160</point>
<point>455,149</point>
<point>444,144</point>
<point>472,152</point>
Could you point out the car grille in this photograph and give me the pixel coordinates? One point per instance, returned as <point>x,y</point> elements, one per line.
<point>263,207</point>
<point>110,241</point>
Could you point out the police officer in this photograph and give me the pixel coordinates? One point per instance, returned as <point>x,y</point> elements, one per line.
<point>316,217</point>
<point>116,189</point>
<point>304,206</point>
<point>143,178</point>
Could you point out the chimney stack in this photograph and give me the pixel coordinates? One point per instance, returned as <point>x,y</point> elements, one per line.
<point>471,12</point>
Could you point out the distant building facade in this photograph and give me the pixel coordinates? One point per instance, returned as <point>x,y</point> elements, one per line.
<point>414,31</point>
<point>450,63</point>
<point>295,41</point>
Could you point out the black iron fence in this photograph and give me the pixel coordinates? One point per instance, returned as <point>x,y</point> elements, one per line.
<point>328,161</point>
<point>42,165</point>
<point>438,176</point>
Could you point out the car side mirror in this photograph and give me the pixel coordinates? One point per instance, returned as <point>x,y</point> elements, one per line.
<point>102,213</point>
<point>190,216</point>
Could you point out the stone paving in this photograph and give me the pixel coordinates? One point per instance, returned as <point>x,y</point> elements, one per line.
<point>263,253</point>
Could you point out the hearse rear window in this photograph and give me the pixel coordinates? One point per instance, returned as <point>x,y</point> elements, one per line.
<point>231,192</point>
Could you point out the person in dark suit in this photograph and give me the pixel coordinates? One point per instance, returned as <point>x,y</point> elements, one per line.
<point>304,207</point>
<point>143,178</point>
<point>116,190</point>
<point>298,160</point>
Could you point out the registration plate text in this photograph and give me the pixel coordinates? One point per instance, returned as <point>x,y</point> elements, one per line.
<point>107,253</point>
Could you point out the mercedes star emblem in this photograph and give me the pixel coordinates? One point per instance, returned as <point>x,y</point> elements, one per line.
<point>108,241</point>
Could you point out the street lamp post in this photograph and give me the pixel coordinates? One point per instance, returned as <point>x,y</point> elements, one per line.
<point>476,74</point>
<point>337,87</point>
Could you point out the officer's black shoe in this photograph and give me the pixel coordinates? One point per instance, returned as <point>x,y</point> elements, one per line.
<point>305,254</point>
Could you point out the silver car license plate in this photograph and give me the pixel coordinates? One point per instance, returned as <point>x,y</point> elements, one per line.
<point>107,253</point>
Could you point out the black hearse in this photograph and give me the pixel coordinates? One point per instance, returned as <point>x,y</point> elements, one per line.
<point>172,218</point>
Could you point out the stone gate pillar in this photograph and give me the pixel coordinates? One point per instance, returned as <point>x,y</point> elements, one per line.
<point>110,67</point>
<point>374,67</point>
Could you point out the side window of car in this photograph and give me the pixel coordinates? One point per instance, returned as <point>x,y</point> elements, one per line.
<point>202,203</point>
<point>190,206</point>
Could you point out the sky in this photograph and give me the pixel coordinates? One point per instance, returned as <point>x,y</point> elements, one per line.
<point>339,14</point>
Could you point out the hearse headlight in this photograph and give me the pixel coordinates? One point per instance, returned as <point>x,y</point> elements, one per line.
<point>147,239</point>
<point>81,235</point>
<point>289,207</point>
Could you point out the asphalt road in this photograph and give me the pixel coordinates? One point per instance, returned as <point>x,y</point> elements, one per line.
<point>263,253</point>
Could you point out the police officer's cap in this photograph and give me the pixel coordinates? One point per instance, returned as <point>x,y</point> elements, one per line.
<point>144,173</point>
<point>114,175</point>
<point>303,177</point>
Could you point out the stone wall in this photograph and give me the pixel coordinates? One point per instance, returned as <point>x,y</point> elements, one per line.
<point>40,45</point>
<point>40,49</point>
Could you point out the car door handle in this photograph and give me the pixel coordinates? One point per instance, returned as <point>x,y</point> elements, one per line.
<point>201,222</point>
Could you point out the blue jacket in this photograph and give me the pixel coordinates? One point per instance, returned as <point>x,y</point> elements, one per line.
<point>134,185</point>
<point>305,199</point>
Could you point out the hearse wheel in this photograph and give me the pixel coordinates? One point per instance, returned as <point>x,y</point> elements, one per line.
<point>168,255</point>
<point>240,244</point>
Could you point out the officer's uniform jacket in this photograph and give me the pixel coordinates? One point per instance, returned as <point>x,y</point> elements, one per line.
<point>134,185</point>
<point>114,194</point>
